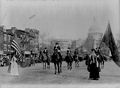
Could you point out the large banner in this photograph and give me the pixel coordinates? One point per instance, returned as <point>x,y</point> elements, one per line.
<point>108,39</point>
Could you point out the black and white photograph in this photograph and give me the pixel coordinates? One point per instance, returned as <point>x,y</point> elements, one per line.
<point>59,43</point>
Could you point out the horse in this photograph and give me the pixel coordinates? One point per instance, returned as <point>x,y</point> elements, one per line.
<point>80,58</point>
<point>57,60</point>
<point>69,60</point>
<point>46,61</point>
<point>76,59</point>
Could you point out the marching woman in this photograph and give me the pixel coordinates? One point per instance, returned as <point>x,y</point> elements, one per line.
<point>14,66</point>
<point>94,66</point>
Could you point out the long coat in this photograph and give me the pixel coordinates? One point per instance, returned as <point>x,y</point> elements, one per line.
<point>94,66</point>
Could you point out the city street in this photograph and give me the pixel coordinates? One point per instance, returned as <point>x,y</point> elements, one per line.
<point>36,75</point>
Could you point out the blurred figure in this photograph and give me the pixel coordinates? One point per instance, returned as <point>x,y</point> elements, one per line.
<point>76,52</point>
<point>76,57</point>
<point>69,59</point>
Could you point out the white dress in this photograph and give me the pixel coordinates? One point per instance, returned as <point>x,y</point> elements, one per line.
<point>14,67</point>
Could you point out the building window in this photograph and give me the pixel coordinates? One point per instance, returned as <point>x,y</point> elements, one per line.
<point>5,47</point>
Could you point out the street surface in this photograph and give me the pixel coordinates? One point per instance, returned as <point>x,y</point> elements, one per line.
<point>36,75</point>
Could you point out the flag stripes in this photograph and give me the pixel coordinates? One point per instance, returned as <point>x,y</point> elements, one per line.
<point>16,47</point>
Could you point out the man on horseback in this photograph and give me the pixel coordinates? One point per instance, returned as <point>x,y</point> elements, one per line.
<point>76,52</point>
<point>68,51</point>
<point>57,49</point>
<point>45,58</point>
<point>57,58</point>
<point>45,51</point>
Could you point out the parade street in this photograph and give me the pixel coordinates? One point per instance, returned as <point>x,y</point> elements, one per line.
<point>36,75</point>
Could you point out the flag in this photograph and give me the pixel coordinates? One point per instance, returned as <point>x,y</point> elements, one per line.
<point>108,39</point>
<point>16,47</point>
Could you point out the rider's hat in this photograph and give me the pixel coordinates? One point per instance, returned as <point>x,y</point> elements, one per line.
<point>45,47</point>
<point>68,47</point>
<point>56,43</point>
<point>92,49</point>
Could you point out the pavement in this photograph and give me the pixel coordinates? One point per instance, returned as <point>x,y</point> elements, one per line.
<point>35,75</point>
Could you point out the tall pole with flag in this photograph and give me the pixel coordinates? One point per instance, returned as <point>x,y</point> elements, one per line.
<point>109,40</point>
<point>15,45</point>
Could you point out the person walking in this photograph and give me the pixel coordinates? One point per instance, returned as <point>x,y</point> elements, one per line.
<point>93,66</point>
<point>14,66</point>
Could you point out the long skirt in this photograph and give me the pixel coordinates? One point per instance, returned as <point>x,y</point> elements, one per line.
<point>14,69</point>
<point>94,72</point>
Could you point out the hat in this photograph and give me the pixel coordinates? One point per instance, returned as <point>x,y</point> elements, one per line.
<point>68,47</point>
<point>56,42</point>
<point>92,49</point>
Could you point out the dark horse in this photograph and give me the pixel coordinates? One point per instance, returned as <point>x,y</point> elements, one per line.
<point>69,60</point>
<point>57,60</point>
<point>46,61</point>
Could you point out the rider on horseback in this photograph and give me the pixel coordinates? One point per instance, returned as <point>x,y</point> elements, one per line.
<point>68,51</point>
<point>76,52</point>
<point>57,49</point>
<point>45,51</point>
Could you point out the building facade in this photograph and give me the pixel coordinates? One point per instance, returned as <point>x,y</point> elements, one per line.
<point>33,42</point>
<point>94,38</point>
<point>1,38</point>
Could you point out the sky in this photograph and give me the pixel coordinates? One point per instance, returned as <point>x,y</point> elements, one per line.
<point>64,19</point>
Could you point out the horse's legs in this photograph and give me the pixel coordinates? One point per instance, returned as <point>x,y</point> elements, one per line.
<point>75,64</point>
<point>55,67</point>
<point>48,65</point>
<point>58,65</point>
<point>61,66</point>
<point>102,63</point>
<point>70,65</point>
<point>67,65</point>
<point>45,65</point>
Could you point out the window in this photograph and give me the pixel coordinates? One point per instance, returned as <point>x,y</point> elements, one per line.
<point>5,47</point>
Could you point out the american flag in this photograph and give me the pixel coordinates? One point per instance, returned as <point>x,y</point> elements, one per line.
<point>16,47</point>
